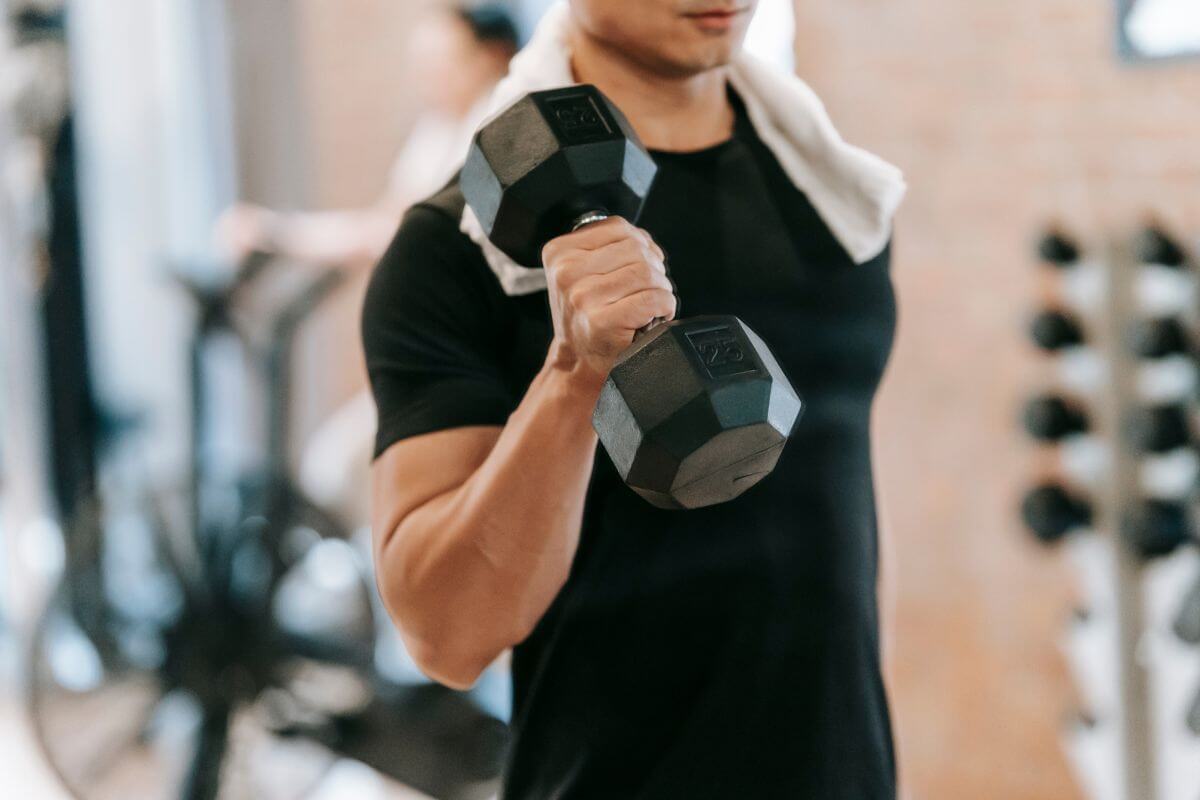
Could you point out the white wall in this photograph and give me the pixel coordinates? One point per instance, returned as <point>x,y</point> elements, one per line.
<point>155,169</point>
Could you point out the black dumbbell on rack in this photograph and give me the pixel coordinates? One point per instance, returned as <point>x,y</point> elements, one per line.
<point>1187,620</point>
<point>1158,429</point>
<point>1157,528</point>
<point>1058,250</point>
<point>1050,418</point>
<point>1051,512</point>
<point>1155,246</point>
<point>1055,330</point>
<point>1152,339</point>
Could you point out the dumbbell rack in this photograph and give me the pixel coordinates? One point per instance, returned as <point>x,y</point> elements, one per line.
<point>1121,493</point>
<point>1135,746</point>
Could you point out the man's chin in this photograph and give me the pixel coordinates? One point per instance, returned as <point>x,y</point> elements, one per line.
<point>701,65</point>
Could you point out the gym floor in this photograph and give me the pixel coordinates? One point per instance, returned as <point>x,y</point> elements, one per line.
<point>24,774</point>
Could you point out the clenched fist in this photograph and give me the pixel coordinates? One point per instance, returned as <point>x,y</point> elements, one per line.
<point>605,281</point>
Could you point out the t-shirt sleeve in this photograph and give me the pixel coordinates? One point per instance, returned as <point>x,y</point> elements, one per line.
<point>429,334</point>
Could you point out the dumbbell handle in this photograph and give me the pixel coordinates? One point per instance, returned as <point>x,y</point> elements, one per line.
<point>588,218</point>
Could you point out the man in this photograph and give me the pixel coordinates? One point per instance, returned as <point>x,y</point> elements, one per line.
<point>725,652</point>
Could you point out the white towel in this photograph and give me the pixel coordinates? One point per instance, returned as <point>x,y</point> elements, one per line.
<point>856,193</point>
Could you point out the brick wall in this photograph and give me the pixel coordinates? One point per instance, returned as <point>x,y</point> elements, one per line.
<point>1003,116</point>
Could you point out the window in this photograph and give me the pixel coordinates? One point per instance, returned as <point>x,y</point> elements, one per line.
<point>1153,29</point>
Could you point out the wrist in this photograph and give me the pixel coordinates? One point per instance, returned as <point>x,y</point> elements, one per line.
<point>572,375</point>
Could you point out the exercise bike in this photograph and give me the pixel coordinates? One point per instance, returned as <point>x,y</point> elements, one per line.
<point>217,639</point>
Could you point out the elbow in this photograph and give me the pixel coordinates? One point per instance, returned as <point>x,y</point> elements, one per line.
<point>455,659</point>
<point>451,637</point>
<point>447,665</point>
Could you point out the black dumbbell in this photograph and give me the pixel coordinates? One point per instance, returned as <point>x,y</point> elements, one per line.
<point>1057,250</point>
<point>696,411</point>
<point>1055,330</point>
<point>1187,621</point>
<point>1156,528</point>
<point>1154,246</point>
<point>1158,429</point>
<point>1158,338</point>
<point>1051,512</point>
<point>1193,715</point>
<point>1049,418</point>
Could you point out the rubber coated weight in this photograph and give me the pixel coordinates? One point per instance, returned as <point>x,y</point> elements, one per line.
<point>1049,418</point>
<point>1156,528</point>
<point>1158,338</point>
<point>546,160</point>
<point>696,411</point>
<point>1057,250</point>
<point>1158,430</point>
<point>1187,621</point>
<point>1051,512</point>
<point>1154,246</point>
<point>1055,330</point>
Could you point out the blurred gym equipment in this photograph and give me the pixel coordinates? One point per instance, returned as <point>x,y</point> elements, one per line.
<point>225,639</point>
<point>1136,299</point>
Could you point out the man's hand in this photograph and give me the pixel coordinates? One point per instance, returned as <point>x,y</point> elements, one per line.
<point>605,281</point>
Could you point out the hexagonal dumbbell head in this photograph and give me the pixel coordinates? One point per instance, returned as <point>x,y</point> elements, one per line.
<point>696,412</point>
<point>547,159</point>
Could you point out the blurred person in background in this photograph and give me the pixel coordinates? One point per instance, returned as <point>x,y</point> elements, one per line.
<point>455,55</point>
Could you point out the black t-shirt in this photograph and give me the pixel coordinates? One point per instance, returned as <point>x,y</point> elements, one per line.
<point>729,651</point>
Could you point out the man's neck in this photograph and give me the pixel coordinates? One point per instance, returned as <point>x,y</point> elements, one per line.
<point>679,114</point>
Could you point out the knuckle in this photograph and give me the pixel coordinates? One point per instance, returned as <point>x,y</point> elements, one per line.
<point>591,320</point>
<point>575,295</point>
<point>565,265</point>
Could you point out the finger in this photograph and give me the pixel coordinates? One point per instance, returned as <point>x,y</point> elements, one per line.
<point>635,311</point>
<point>591,237</point>
<point>627,251</point>
<point>606,288</point>
<point>575,266</point>
<point>654,245</point>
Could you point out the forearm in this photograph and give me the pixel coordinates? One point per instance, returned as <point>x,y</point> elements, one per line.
<point>333,237</point>
<point>471,572</point>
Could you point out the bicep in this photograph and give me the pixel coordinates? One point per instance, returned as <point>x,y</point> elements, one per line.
<point>415,472</point>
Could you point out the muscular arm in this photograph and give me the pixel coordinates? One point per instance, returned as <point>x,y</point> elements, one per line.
<point>475,528</point>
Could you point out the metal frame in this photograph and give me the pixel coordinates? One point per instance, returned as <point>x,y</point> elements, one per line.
<point>1134,712</point>
<point>25,500</point>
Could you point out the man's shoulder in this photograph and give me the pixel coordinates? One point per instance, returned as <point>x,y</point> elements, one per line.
<point>448,201</point>
<point>431,262</point>
<point>429,239</point>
